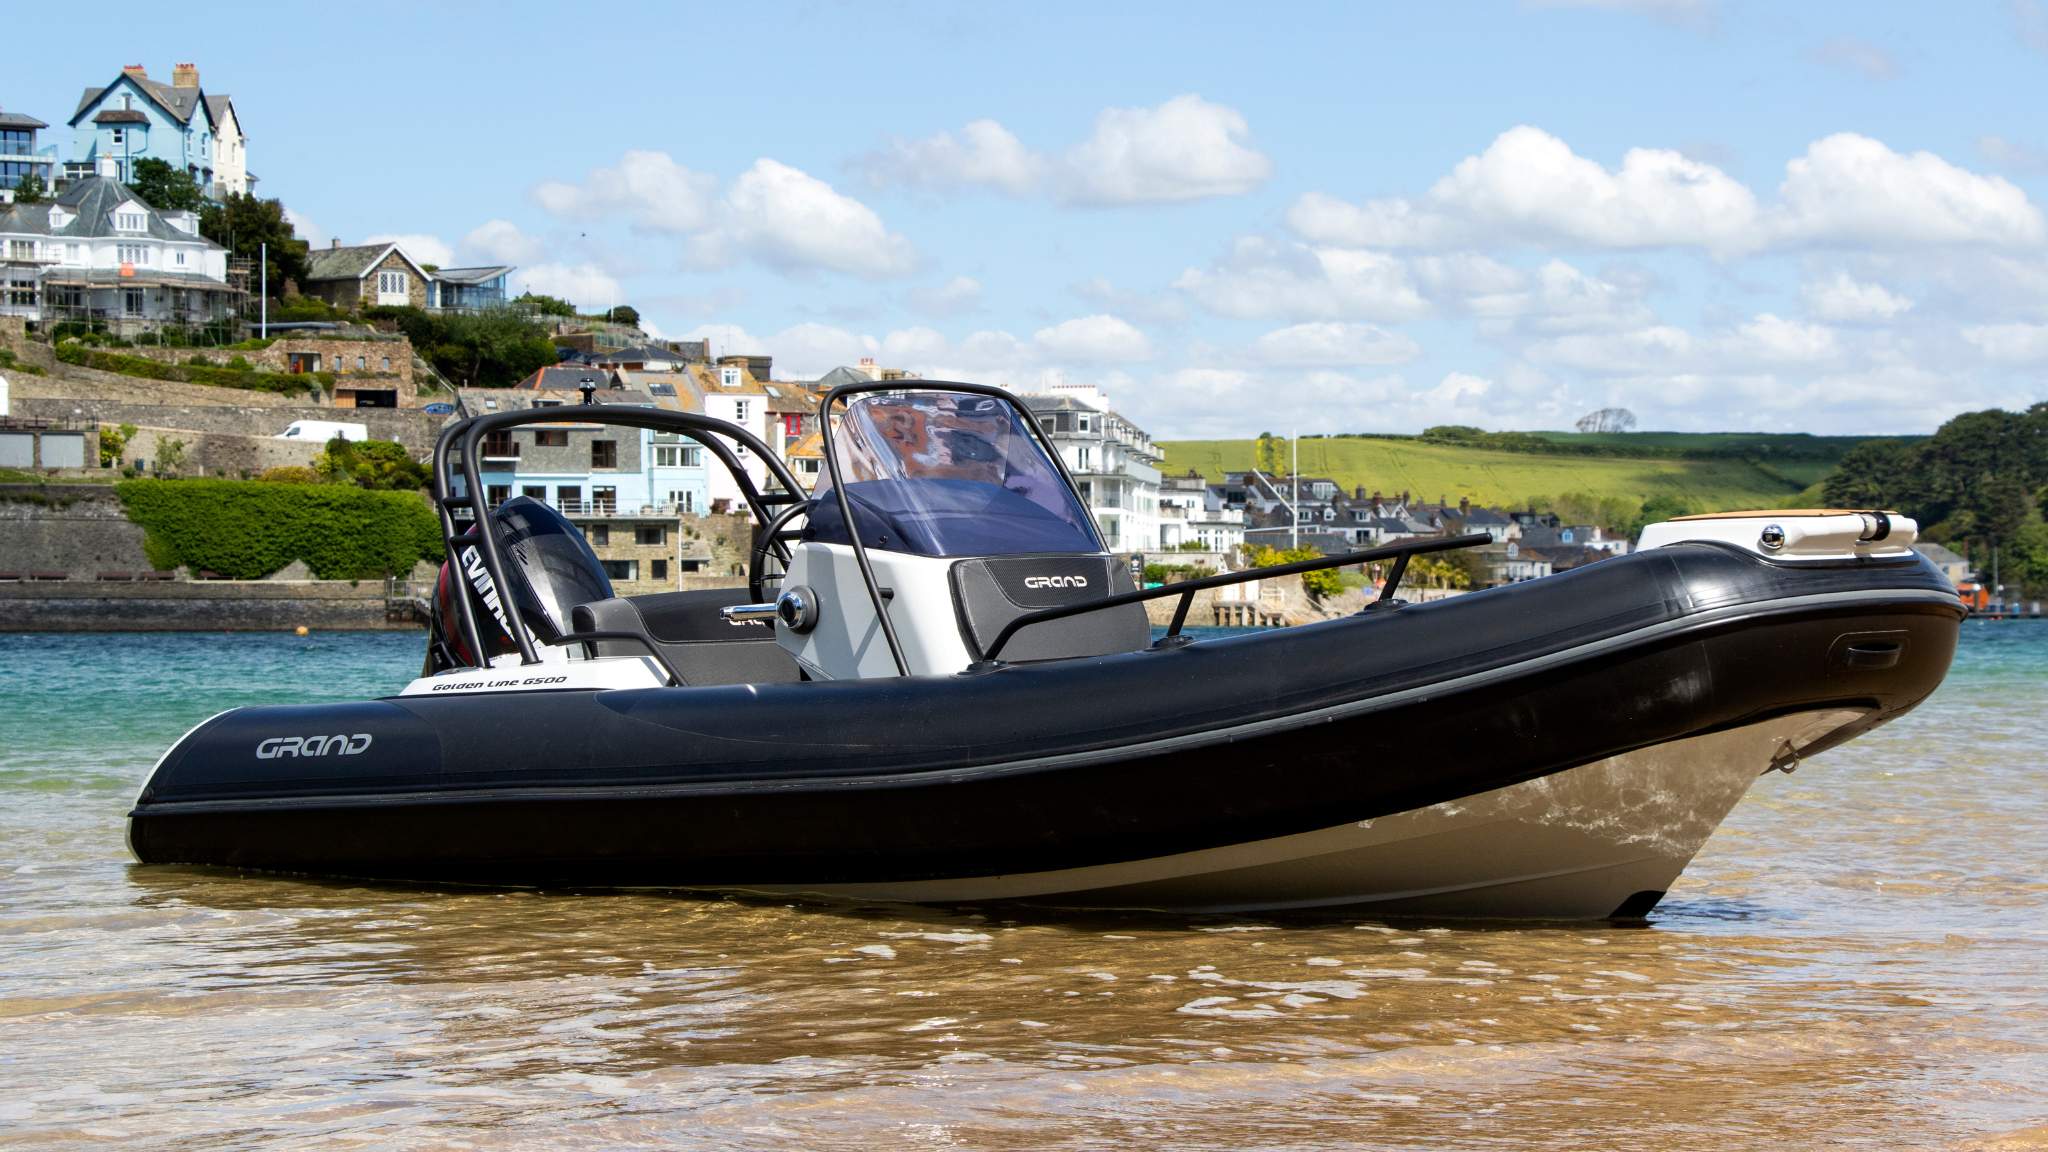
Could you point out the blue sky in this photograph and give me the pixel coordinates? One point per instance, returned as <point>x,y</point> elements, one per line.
<point>1722,216</point>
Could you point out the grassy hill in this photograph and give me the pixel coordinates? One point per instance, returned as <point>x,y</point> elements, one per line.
<point>1775,470</point>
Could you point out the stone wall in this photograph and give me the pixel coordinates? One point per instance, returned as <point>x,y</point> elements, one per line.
<point>219,453</point>
<point>77,529</point>
<point>208,606</point>
<point>409,426</point>
<point>381,360</point>
<point>71,382</point>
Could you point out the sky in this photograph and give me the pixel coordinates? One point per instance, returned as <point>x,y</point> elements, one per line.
<point>1233,218</point>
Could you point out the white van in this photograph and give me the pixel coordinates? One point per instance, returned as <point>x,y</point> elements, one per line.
<point>321,431</point>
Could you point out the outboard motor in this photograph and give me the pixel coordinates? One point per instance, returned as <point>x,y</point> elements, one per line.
<point>550,568</point>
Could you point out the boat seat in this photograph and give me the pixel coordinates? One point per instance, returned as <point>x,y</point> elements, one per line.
<point>992,592</point>
<point>690,634</point>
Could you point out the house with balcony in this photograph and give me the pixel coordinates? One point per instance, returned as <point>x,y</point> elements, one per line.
<point>366,275</point>
<point>468,289</point>
<point>98,254</point>
<point>136,118</point>
<point>1113,461</point>
<point>20,155</point>
<point>1192,512</point>
<point>608,480</point>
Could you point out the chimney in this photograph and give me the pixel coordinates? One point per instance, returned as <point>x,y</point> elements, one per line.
<point>184,76</point>
<point>134,70</point>
<point>334,242</point>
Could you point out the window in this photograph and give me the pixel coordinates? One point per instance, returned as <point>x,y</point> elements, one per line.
<point>628,570</point>
<point>391,288</point>
<point>650,534</point>
<point>178,257</point>
<point>668,456</point>
<point>569,495</point>
<point>551,438</point>
<point>536,491</point>
<point>500,444</point>
<point>660,570</point>
<point>137,254</point>
<point>605,499</point>
<point>131,302</point>
<point>384,365</point>
<point>362,363</point>
<point>729,376</point>
<point>599,535</point>
<point>120,137</point>
<point>604,454</point>
<point>1082,460</point>
<point>693,456</point>
<point>496,494</point>
<point>689,503</point>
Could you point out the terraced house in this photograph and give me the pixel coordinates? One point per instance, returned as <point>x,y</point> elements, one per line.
<point>136,118</point>
<point>97,253</point>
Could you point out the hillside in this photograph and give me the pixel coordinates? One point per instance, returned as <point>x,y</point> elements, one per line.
<point>1501,479</point>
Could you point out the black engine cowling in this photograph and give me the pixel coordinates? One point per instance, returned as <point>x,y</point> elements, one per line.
<point>550,569</point>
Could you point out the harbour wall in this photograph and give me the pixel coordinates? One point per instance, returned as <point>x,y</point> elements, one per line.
<point>200,606</point>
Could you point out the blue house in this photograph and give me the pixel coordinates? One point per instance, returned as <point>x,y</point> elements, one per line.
<point>136,118</point>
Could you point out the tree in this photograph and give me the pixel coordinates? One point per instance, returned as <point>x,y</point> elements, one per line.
<point>546,305</point>
<point>495,348</point>
<point>379,465</point>
<point>1608,420</point>
<point>31,190</point>
<point>1268,454</point>
<point>243,224</point>
<point>624,314</point>
<point>165,188</point>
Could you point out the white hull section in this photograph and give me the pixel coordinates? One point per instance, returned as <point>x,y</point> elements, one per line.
<point>1574,845</point>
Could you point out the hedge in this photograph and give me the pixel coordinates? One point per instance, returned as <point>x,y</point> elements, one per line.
<point>248,529</point>
<point>231,376</point>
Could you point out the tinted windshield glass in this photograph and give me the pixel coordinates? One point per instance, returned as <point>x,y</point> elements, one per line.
<point>948,474</point>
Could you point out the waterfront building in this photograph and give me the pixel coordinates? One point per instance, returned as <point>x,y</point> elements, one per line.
<point>729,391</point>
<point>1113,461</point>
<point>20,155</point>
<point>136,118</point>
<point>601,477</point>
<point>97,253</point>
<point>1191,511</point>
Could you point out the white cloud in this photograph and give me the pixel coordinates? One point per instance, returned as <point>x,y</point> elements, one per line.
<point>985,154</point>
<point>1858,55</point>
<point>788,218</point>
<point>2010,343</point>
<point>306,230</point>
<point>423,248</point>
<point>960,294</point>
<point>1266,279</point>
<point>500,242</point>
<point>1847,300</point>
<point>1334,344</point>
<point>1093,339</point>
<point>1530,187</point>
<point>1145,307</point>
<point>589,287</point>
<point>1853,190</point>
<point>2012,155</point>
<point>647,189</point>
<point>1184,149</point>
<point>1772,339</point>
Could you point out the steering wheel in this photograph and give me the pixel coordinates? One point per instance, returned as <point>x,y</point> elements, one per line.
<point>771,540</point>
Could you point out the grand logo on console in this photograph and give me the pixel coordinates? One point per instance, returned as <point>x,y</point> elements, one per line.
<point>1055,581</point>
<point>338,745</point>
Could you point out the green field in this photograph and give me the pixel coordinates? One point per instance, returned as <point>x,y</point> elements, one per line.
<point>1507,479</point>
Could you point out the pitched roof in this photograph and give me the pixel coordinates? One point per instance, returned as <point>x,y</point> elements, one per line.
<point>181,103</point>
<point>566,379</point>
<point>352,263</point>
<point>92,201</point>
<point>121,116</point>
<point>216,105</point>
<point>810,445</point>
<point>17,120</point>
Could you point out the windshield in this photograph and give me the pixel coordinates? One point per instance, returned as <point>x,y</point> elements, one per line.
<point>948,474</point>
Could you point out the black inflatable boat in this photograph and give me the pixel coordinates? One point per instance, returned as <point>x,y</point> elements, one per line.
<point>940,686</point>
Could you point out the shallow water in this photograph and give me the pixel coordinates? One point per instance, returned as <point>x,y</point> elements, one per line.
<point>1855,959</point>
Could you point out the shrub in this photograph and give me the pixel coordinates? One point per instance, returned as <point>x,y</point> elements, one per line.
<point>247,529</point>
<point>291,474</point>
<point>236,374</point>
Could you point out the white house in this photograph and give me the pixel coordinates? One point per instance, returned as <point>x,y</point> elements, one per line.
<point>98,253</point>
<point>1112,459</point>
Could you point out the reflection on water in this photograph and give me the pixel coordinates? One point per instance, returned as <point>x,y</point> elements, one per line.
<point>1853,958</point>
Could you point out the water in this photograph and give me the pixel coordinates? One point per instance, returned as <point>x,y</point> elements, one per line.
<point>1857,958</point>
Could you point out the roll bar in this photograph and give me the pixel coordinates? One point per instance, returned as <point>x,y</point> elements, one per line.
<point>860,550</point>
<point>464,437</point>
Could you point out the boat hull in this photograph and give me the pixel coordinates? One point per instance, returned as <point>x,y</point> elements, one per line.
<point>1557,749</point>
